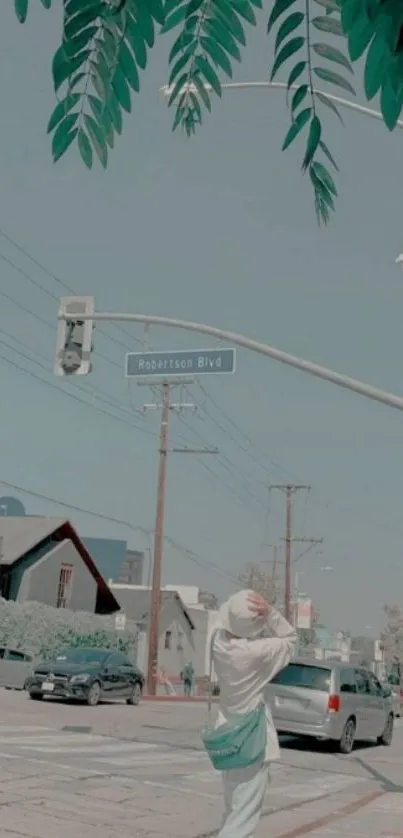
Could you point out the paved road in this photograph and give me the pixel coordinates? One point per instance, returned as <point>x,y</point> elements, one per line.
<point>140,771</point>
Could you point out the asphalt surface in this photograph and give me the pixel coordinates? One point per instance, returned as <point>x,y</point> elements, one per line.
<point>69,770</point>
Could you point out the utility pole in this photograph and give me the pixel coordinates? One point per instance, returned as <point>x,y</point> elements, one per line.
<point>289,489</point>
<point>155,605</point>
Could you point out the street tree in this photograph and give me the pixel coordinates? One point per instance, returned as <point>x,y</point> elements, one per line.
<point>392,636</point>
<point>255,577</point>
<point>105,46</point>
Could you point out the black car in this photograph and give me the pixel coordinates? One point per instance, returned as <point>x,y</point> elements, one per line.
<point>87,675</point>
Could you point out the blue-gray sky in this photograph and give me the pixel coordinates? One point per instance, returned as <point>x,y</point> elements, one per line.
<point>219,229</point>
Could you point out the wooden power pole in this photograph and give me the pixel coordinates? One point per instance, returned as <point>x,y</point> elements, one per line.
<point>289,489</point>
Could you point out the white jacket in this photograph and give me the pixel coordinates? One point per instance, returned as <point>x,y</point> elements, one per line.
<point>244,667</point>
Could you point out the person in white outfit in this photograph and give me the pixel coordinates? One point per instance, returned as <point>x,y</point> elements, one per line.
<point>252,642</point>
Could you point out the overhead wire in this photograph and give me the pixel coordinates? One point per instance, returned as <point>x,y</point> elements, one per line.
<point>190,554</point>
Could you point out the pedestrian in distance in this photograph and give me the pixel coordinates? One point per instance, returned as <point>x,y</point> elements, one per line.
<point>250,643</point>
<point>187,678</point>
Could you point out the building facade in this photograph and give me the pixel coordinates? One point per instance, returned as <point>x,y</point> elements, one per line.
<point>44,560</point>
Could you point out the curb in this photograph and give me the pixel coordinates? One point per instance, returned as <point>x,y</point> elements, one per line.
<point>176,699</point>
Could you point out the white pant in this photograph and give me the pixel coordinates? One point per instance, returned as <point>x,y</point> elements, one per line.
<point>244,791</point>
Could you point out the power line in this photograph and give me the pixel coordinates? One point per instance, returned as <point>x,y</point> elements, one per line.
<point>60,282</point>
<point>190,554</point>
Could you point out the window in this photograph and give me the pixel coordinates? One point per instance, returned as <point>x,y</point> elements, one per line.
<point>168,640</point>
<point>361,678</point>
<point>307,677</point>
<point>13,655</point>
<point>65,585</point>
<point>374,685</point>
<point>348,683</point>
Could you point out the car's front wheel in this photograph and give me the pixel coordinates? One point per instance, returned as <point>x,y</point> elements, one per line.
<point>135,695</point>
<point>387,735</point>
<point>346,743</point>
<point>94,694</point>
<point>36,696</point>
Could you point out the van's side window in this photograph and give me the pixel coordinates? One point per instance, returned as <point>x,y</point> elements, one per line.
<point>347,681</point>
<point>362,682</point>
<point>374,685</point>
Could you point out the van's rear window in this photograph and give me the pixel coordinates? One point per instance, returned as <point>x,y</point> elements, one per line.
<point>309,677</point>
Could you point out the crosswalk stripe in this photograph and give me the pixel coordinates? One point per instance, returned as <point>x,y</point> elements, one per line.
<point>55,739</point>
<point>116,747</point>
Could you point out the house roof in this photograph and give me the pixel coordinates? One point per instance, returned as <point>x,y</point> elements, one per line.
<point>135,602</point>
<point>18,536</point>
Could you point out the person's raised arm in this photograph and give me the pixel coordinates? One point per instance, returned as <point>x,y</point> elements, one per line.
<point>274,652</point>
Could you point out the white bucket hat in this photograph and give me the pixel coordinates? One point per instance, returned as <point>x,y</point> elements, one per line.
<point>236,616</point>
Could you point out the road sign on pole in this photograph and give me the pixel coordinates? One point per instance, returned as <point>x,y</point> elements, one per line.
<point>120,621</point>
<point>179,362</point>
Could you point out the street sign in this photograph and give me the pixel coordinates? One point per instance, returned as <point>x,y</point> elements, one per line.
<point>179,362</point>
<point>120,621</point>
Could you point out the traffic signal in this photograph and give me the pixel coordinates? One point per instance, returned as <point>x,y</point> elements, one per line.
<point>74,337</point>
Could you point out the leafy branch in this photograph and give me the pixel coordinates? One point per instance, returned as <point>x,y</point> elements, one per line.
<point>303,115</point>
<point>210,39</point>
<point>105,46</point>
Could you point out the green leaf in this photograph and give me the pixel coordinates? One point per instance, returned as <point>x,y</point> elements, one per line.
<point>245,10</point>
<point>74,25</point>
<point>121,89</point>
<point>217,54</point>
<point>298,97</point>
<point>144,21</point>
<point>329,5</point>
<point>97,138</point>
<point>136,42</point>
<point>84,147</point>
<point>377,60</point>
<point>62,109</point>
<point>328,24</point>
<point>333,78</point>
<point>101,113</point>
<point>156,9</point>
<point>280,6</point>
<point>288,26</point>
<point>196,105</point>
<point>214,28</point>
<point>128,66</point>
<point>64,136</point>
<point>329,156</point>
<point>46,4</point>
<point>201,89</point>
<point>351,12</point>
<point>296,72</point>
<point>21,10</point>
<point>391,104</point>
<point>62,70</point>
<point>209,74</point>
<point>173,20</point>
<point>180,84</point>
<point>286,52</point>
<point>329,104</point>
<point>179,115</point>
<point>75,45</point>
<point>315,132</point>
<point>332,54</point>
<point>296,127</point>
<point>359,37</point>
<point>180,65</point>
<point>224,10</point>
<point>115,112</point>
<point>323,175</point>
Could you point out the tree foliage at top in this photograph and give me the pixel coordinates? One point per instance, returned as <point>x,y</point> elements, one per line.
<point>392,636</point>
<point>105,46</point>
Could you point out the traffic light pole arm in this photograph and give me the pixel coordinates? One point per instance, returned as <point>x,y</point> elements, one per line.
<point>357,386</point>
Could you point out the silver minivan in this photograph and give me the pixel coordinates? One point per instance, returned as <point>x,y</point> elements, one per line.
<point>331,700</point>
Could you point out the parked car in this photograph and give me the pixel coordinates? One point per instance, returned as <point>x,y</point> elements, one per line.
<point>16,666</point>
<point>88,675</point>
<point>331,700</point>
